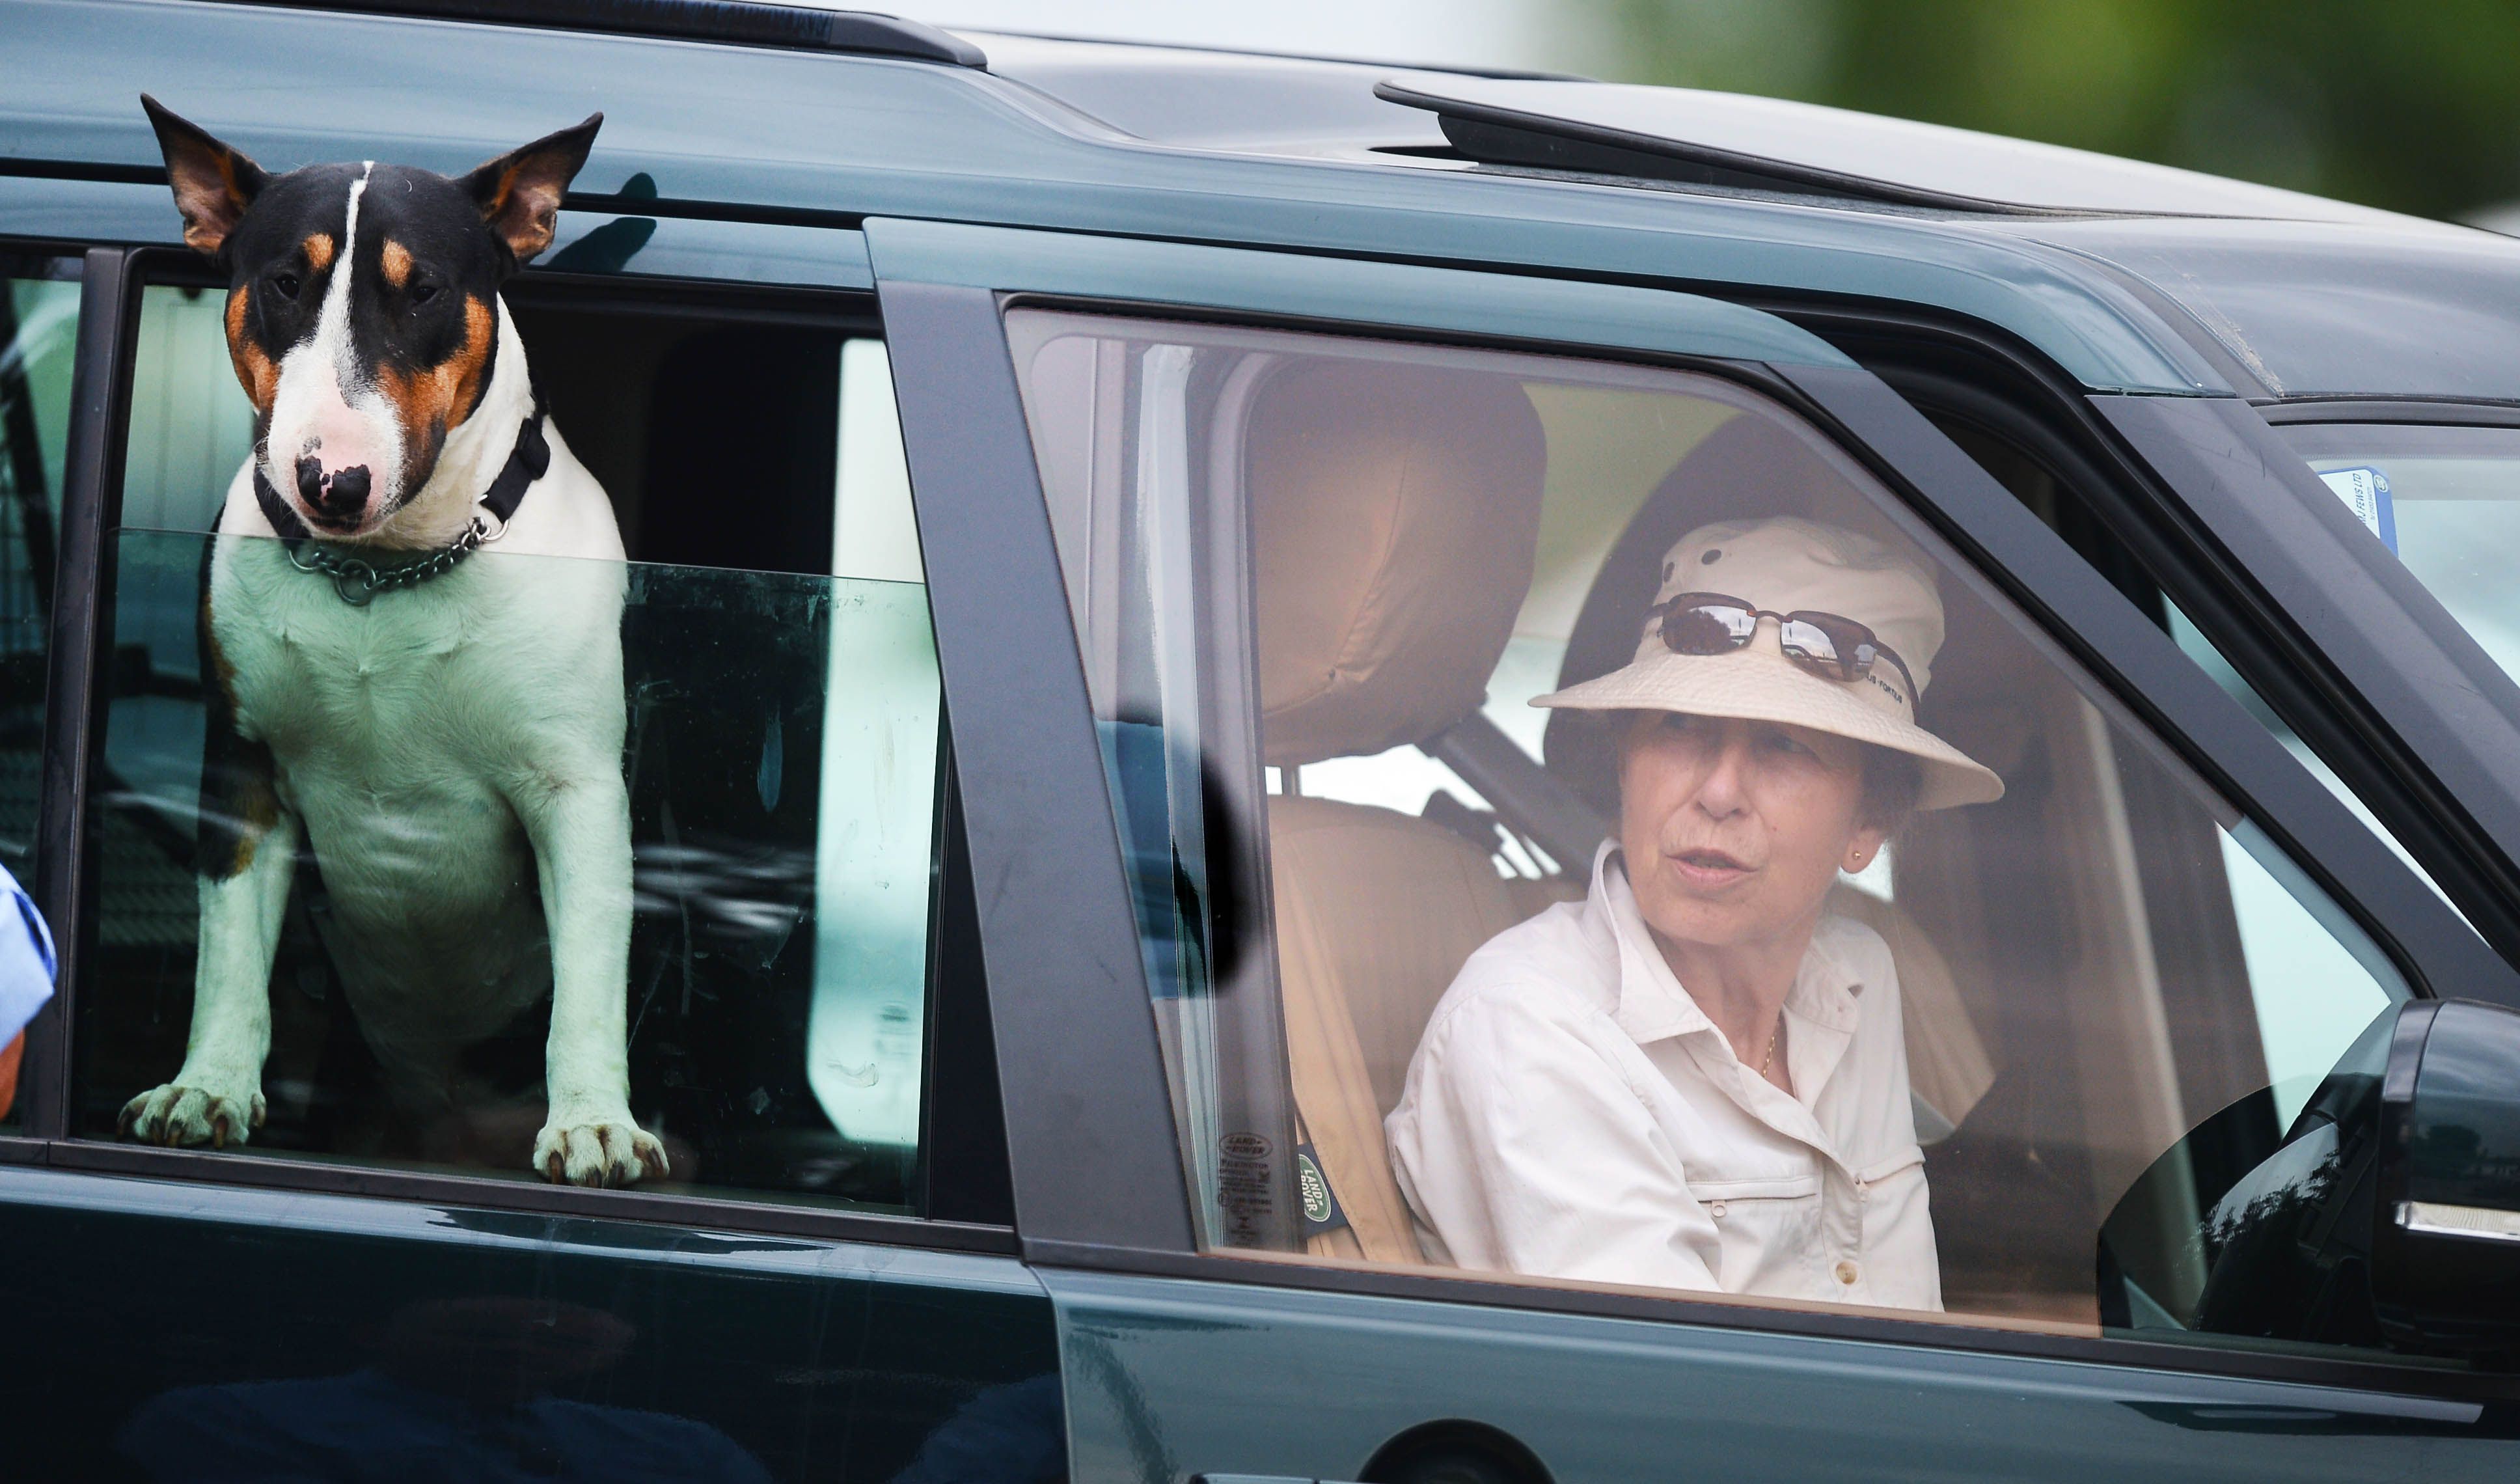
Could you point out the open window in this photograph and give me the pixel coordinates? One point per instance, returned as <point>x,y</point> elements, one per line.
<point>1317,582</point>
<point>790,998</point>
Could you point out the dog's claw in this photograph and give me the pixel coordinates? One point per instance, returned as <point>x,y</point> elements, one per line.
<point>193,1110</point>
<point>608,1151</point>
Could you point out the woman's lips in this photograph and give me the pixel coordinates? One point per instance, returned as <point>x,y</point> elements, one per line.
<point>1706,869</point>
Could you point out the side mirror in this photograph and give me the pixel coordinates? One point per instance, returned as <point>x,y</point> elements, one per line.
<point>2387,1214</point>
<point>2446,1238</point>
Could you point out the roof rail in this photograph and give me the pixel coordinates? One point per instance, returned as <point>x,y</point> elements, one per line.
<point>1695,137</point>
<point>746,21</point>
<point>1514,137</point>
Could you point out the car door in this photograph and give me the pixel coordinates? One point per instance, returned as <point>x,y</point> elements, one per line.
<point>828,1288</point>
<point>2168,919</point>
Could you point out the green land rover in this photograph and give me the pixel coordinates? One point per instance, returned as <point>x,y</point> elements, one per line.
<point>1097,517</point>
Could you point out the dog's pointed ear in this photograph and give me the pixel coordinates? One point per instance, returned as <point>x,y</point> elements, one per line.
<point>213,182</point>
<point>519,192</point>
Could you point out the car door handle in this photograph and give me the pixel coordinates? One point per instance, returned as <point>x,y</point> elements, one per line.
<point>1258,1479</point>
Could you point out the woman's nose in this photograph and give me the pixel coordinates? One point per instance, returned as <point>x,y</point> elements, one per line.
<point>1726,786</point>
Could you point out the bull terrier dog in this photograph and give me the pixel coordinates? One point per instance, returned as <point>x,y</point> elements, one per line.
<point>440,732</point>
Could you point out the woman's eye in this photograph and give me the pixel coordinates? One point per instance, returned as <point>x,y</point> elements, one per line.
<point>1679,728</point>
<point>421,293</point>
<point>285,285</point>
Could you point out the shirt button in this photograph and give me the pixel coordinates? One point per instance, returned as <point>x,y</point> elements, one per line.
<point>1716,1210</point>
<point>1846,1272</point>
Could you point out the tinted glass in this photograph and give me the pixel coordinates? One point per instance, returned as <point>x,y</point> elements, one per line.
<point>1318,585</point>
<point>700,800</point>
<point>2064,503</point>
<point>39,336</point>
<point>38,332</point>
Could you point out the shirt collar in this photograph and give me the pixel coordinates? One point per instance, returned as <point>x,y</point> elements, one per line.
<point>1651,1003</point>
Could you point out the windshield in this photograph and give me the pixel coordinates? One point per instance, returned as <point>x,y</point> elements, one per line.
<point>2447,499</point>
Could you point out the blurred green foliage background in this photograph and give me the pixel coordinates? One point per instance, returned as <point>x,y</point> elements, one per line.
<point>2413,106</point>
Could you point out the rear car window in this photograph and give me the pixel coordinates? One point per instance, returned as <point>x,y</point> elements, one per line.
<point>781,759</point>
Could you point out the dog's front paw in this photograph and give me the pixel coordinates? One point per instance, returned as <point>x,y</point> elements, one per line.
<point>198,1107</point>
<point>597,1149</point>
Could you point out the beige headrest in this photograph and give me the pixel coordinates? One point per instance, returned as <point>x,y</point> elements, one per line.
<point>1394,512</point>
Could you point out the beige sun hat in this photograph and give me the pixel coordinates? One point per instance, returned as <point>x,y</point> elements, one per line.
<point>1784,566</point>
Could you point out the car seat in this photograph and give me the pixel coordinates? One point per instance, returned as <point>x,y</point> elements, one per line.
<point>1394,514</point>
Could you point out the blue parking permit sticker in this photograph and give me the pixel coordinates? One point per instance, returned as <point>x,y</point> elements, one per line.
<point>2365,492</point>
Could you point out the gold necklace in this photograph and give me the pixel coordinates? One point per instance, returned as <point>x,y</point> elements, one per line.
<point>1773,1037</point>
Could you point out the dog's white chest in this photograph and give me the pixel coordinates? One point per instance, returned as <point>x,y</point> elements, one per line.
<point>401,731</point>
<point>363,691</point>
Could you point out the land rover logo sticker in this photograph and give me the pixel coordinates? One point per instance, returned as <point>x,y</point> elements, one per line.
<point>1322,1211</point>
<point>1317,1191</point>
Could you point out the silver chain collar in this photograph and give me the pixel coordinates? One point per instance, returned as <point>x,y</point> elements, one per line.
<point>358,580</point>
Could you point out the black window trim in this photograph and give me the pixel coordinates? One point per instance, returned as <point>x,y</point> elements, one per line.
<point>965,428</point>
<point>2362,635</point>
<point>109,324</point>
<point>1089,1122</point>
<point>100,403</point>
<point>2159,517</point>
<point>2145,668</point>
<point>2420,410</point>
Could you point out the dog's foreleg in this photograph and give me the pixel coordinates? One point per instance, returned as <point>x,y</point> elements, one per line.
<point>247,856</point>
<point>581,827</point>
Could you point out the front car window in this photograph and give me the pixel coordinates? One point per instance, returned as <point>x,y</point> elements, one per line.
<point>1447,982</point>
<point>760,684</point>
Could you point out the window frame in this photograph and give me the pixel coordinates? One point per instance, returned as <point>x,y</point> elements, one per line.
<point>2155,510</point>
<point>91,469</point>
<point>2187,711</point>
<point>2425,725</point>
<point>103,376</point>
<point>965,426</point>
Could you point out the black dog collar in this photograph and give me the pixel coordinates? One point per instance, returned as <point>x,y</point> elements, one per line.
<point>358,580</point>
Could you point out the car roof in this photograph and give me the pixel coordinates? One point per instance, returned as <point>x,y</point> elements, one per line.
<point>1265,103</point>
<point>1205,146</point>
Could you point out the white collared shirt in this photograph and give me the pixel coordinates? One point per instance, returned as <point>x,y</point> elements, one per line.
<point>1570,1112</point>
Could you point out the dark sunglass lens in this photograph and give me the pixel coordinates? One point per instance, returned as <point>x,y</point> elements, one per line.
<point>1707,628</point>
<point>1818,647</point>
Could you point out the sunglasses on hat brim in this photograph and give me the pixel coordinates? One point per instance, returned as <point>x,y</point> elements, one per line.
<point>1830,645</point>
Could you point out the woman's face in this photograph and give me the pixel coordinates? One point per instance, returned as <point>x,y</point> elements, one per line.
<point>1735,830</point>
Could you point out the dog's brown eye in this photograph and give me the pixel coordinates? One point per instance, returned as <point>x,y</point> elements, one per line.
<point>421,293</point>
<point>285,284</point>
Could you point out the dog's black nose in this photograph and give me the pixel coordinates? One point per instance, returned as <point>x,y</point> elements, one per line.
<point>342,493</point>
